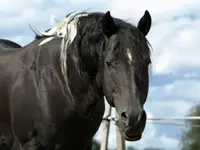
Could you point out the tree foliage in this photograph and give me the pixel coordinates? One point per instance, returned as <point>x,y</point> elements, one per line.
<point>190,138</point>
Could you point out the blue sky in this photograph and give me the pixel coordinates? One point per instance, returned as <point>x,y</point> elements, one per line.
<point>175,36</point>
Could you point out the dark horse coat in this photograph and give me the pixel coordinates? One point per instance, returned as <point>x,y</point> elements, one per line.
<point>51,90</point>
<point>5,127</point>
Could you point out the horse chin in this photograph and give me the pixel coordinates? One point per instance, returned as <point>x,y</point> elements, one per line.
<point>132,138</point>
<point>111,102</point>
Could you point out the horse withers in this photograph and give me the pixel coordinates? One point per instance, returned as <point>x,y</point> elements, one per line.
<point>52,90</point>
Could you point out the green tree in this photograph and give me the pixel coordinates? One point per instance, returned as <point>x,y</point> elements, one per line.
<point>190,137</point>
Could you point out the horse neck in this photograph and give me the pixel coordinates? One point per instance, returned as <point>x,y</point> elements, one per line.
<point>84,75</point>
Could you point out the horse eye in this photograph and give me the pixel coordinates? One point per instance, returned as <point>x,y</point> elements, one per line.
<point>108,64</point>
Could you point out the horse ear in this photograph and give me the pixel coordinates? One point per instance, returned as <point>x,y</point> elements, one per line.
<point>108,25</point>
<point>144,24</point>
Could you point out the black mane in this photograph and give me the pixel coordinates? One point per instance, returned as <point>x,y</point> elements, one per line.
<point>91,30</point>
<point>97,16</point>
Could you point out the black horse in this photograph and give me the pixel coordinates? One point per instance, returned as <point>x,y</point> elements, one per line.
<point>52,89</point>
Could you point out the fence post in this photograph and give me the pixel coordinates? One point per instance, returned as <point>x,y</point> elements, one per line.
<point>120,139</point>
<point>106,127</point>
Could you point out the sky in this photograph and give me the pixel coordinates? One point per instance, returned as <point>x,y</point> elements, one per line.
<point>174,36</point>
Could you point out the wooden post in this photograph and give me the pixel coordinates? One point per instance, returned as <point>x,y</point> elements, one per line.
<point>120,139</point>
<point>106,127</point>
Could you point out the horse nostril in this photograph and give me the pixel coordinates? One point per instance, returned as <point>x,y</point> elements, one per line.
<point>124,116</point>
<point>133,118</point>
<point>142,116</point>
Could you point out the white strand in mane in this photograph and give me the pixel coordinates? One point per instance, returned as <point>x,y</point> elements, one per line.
<point>69,34</point>
<point>129,55</point>
<point>68,31</point>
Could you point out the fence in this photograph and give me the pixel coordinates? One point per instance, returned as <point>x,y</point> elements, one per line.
<point>120,142</point>
<point>106,129</point>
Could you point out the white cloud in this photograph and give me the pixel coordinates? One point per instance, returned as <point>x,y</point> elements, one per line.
<point>179,49</point>
<point>160,10</point>
<point>190,75</point>
<point>169,142</point>
<point>15,16</point>
<point>187,89</point>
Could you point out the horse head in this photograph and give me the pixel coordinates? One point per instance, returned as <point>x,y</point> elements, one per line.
<point>125,73</point>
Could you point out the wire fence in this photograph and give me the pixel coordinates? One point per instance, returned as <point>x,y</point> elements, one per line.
<point>152,120</point>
